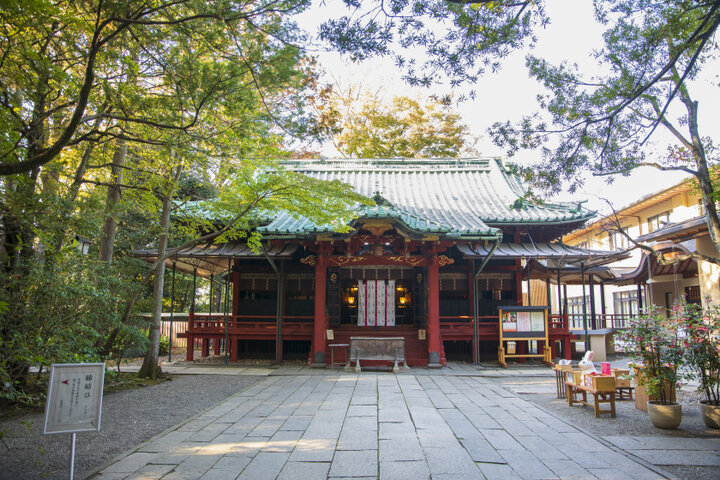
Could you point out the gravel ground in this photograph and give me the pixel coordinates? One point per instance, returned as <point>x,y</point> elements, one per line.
<point>629,421</point>
<point>129,417</point>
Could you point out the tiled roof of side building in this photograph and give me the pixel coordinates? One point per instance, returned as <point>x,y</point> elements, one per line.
<point>454,197</point>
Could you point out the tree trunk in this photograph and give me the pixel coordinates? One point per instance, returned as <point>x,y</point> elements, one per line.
<point>703,172</point>
<point>107,240</point>
<point>150,367</point>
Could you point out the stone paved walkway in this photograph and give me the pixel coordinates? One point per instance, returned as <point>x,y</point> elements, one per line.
<point>378,425</point>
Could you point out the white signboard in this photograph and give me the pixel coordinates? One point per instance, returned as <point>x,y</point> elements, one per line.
<point>74,400</point>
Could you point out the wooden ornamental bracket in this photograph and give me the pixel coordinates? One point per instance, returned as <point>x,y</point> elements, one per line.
<point>377,228</point>
<point>444,260</point>
<point>309,260</point>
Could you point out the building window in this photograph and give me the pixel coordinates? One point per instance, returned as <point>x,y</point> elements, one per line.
<point>626,303</point>
<point>575,311</point>
<point>618,241</point>
<point>692,294</point>
<point>656,222</point>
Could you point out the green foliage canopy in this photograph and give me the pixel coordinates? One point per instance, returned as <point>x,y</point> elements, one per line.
<point>362,125</point>
<point>602,124</point>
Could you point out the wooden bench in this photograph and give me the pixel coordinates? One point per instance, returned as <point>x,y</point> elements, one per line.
<point>602,390</point>
<point>390,349</point>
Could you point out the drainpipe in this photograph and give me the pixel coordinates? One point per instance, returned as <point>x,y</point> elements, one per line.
<point>212,280</point>
<point>560,300</point>
<point>279,314</point>
<point>227,318</point>
<point>498,240</point>
<point>476,332</point>
<point>527,267</point>
<point>172,311</point>
<point>269,259</point>
<point>476,275</point>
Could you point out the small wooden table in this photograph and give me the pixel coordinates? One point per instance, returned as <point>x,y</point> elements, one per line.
<point>602,390</point>
<point>332,354</point>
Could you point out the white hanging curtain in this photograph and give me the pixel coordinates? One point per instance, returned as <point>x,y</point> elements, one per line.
<point>361,303</point>
<point>381,290</point>
<point>390,304</point>
<point>376,303</point>
<point>370,303</point>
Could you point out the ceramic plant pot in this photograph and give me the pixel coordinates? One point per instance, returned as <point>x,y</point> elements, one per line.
<point>664,416</point>
<point>710,414</point>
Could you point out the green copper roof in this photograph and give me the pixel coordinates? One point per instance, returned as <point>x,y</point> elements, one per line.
<point>457,198</point>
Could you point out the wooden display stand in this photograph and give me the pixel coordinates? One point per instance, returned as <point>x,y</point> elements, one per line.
<point>601,387</point>
<point>523,324</point>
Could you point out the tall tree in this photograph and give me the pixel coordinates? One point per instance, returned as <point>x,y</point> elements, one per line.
<point>601,124</point>
<point>365,125</point>
<point>83,80</point>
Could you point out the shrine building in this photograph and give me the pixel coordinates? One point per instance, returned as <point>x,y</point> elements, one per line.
<point>446,243</point>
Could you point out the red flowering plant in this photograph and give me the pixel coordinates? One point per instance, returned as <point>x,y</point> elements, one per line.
<point>702,346</point>
<point>656,343</point>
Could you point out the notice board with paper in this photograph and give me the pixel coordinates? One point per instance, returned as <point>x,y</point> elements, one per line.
<point>523,324</point>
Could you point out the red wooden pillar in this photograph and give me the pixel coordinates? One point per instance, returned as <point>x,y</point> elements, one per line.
<point>320,321</point>
<point>205,347</point>
<point>189,352</point>
<point>216,346</point>
<point>233,346</point>
<point>566,348</point>
<point>433,316</point>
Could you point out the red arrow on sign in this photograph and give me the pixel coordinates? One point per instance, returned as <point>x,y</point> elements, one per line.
<point>65,382</point>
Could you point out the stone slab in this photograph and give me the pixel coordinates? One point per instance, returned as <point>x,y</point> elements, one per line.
<point>354,463</point>
<point>304,471</point>
<point>416,470</point>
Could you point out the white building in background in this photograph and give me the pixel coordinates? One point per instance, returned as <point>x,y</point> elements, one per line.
<point>672,220</point>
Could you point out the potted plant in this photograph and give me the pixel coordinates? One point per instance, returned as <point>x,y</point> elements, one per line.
<point>655,342</point>
<point>702,355</point>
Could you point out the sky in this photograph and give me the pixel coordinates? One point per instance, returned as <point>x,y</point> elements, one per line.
<point>510,93</point>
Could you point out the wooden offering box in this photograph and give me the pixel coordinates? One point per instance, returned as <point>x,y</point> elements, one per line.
<point>601,383</point>
<point>622,377</point>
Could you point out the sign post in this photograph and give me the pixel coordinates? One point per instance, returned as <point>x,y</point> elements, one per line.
<point>523,324</point>
<point>74,400</point>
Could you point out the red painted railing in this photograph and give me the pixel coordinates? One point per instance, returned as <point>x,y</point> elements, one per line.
<point>250,326</point>
<point>257,326</point>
